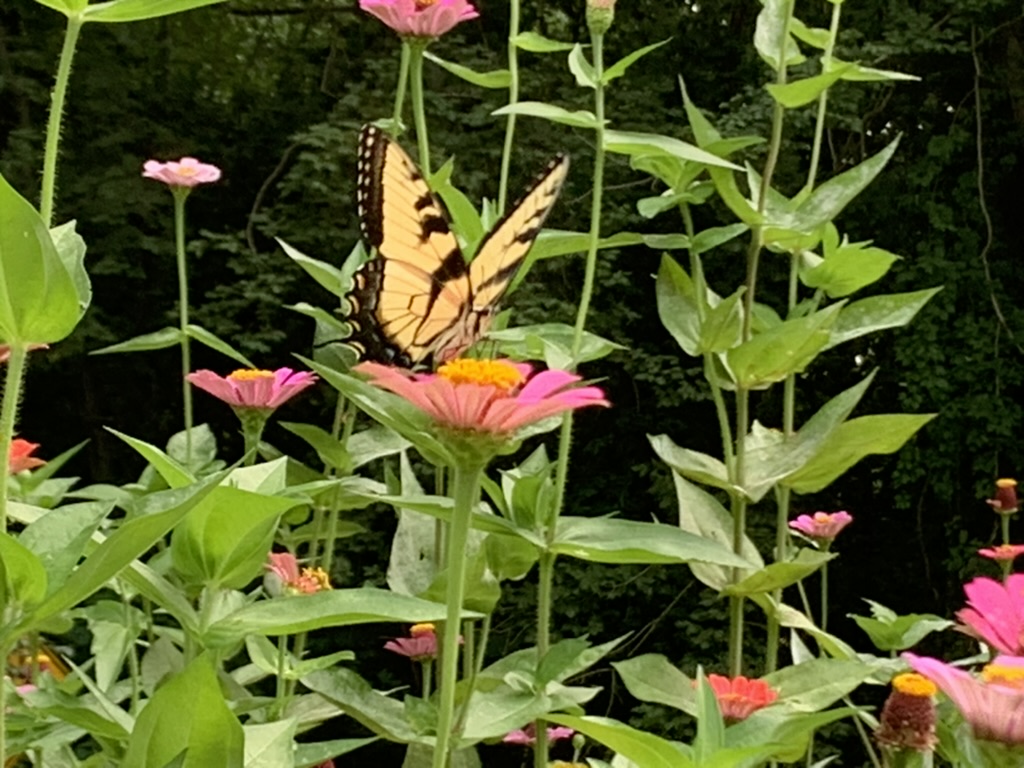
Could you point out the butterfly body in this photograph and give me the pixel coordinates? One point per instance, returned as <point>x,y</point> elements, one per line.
<point>419,300</point>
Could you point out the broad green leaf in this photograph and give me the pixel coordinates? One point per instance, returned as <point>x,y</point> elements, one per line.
<point>187,715</point>
<point>860,73</point>
<point>847,268</point>
<point>772,36</point>
<point>636,143</point>
<point>380,713</point>
<point>39,296</point>
<point>327,275</point>
<point>581,68</point>
<point>170,470</point>
<point>556,242</point>
<point>781,574</point>
<point>138,10</point>
<point>71,249</point>
<point>644,749</point>
<point>819,683</point>
<point>654,679</point>
<point>411,565</point>
<point>81,716</point>
<point>60,537</point>
<point>482,590</point>
<point>877,313</point>
<point>713,237</point>
<point>23,575</point>
<point>147,342</point>
<point>608,540</point>
<point>422,756</point>
<point>374,443</point>
<point>331,608</point>
<point>203,336</point>
<point>578,119</point>
<point>891,632</point>
<point>779,733</point>
<point>723,324</point>
<point>678,305</point>
<point>499,78</point>
<point>551,342</point>
<point>675,242</point>
<point>694,465</point>
<point>618,69</point>
<point>310,754</point>
<point>331,450</point>
<point>710,725</point>
<point>67,7</point>
<point>816,37</point>
<point>789,616</point>
<point>703,130</point>
<point>798,93</point>
<point>270,745</point>
<point>537,43</point>
<point>851,442</point>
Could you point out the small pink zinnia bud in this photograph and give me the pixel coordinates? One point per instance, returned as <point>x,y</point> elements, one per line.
<point>187,172</point>
<point>1005,502</point>
<point>600,15</point>
<point>908,717</point>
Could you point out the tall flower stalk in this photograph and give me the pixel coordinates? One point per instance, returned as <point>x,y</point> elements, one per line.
<point>400,89</point>
<point>419,111</point>
<point>53,127</point>
<point>513,98</point>
<point>8,414</point>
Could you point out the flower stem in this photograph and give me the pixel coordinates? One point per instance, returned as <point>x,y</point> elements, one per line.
<point>8,413</point>
<point>180,194</point>
<point>819,125</point>
<point>403,86</point>
<point>428,674</point>
<point>513,98</point>
<point>418,110</point>
<point>281,689</point>
<point>465,493</point>
<point>4,652</point>
<point>60,89</point>
<point>546,573</point>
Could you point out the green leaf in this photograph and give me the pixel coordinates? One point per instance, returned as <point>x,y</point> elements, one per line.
<point>781,574</point>
<point>39,296</point>
<point>147,342</point>
<point>654,679</point>
<point>171,471</point>
<point>710,725</point>
<point>270,745</point>
<point>67,7</point>
<point>499,78</point>
<point>187,715</point>
<point>466,221</point>
<point>203,336</point>
<point>877,313</point>
<point>723,324</point>
<point>847,268</point>
<point>556,114</point>
<point>536,43</point>
<point>697,466</point>
<point>22,573</point>
<point>310,754</point>
<point>644,749</point>
<point>813,36</point>
<point>551,342</point>
<point>890,632</point>
<point>618,69</point>
<point>374,443</point>
<point>60,537</point>
<point>713,237</point>
<point>71,250</point>
<point>798,93</point>
<point>778,733</point>
<point>678,305</point>
<point>771,36</point>
<point>138,10</point>
<point>637,143</point>
<point>581,68</point>
<point>327,275</point>
<point>607,540</point>
<point>860,73</point>
<point>813,685</point>
<point>556,242</point>
<point>482,591</point>
<point>331,450</point>
<point>372,709</point>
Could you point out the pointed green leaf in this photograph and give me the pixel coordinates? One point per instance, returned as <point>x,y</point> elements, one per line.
<point>23,574</point>
<point>798,93</point>
<point>862,74</point>
<point>581,68</point>
<point>137,10</point>
<point>310,754</point>
<point>618,69</point>
<point>270,745</point>
<point>203,336</point>
<point>877,313</point>
<point>327,275</point>
<point>71,250</point>
<point>537,43</point>
<point>60,537</point>
<point>556,114</point>
<point>147,342</point>
<point>654,679</point>
<point>848,268</point>
<point>772,36</point>
<point>171,471</point>
<point>499,78</point>
<point>781,574</point>
<point>697,466</point>
<point>677,305</point>
<point>637,143</point>
<point>466,220</point>
<point>644,749</point>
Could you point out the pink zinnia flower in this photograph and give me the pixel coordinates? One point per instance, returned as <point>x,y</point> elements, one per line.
<point>187,172</point>
<point>495,397</point>
<point>1003,552</point>
<point>528,736</point>
<point>248,388</point>
<point>421,645</point>
<point>21,458</point>
<point>822,526</point>
<point>995,613</point>
<point>289,579</point>
<point>740,697</point>
<point>420,18</point>
<point>993,705</point>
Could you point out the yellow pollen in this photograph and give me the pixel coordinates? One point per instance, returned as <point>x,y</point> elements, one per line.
<point>913,684</point>
<point>420,629</point>
<point>250,374</point>
<point>318,575</point>
<point>1006,482</point>
<point>493,373</point>
<point>1004,675</point>
<point>822,517</point>
<point>424,4</point>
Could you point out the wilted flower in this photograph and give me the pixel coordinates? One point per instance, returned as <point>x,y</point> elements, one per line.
<point>1003,552</point>
<point>908,717</point>
<point>1005,502</point>
<point>21,458</point>
<point>528,736</point>
<point>187,172</point>
<point>995,613</point>
<point>284,576</point>
<point>421,645</point>
<point>740,697</point>
<point>254,389</point>
<point>822,526</point>
<point>992,704</point>
<point>420,18</point>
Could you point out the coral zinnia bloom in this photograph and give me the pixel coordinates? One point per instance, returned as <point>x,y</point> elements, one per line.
<point>823,526</point>
<point>291,580</point>
<point>495,397</point>
<point>993,704</point>
<point>908,717</point>
<point>995,613</point>
<point>1003,552</point>
<point>528,736</point>
<point>740,697</point>
<point>421,645</point>
<point>21,457</point>
<point>249,388</point>
<point>187,172</point>
<point>420,18</point>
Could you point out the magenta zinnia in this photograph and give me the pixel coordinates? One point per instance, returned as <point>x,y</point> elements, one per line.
<point>250,388</point>
<point>420,18</point>
<point>822,526</point>
<point>995,613</point>
<point>421,645</point>
<point>187,172</point>
<point>527,736</point>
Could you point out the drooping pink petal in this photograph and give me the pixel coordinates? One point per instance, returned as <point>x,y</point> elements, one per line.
<point>995,612</point>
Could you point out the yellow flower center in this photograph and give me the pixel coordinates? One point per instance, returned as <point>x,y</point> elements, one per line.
<point>1004,674</point>
<point>250,374</point>
<point>422,5</point>
<point>493,373</point>
<point>187,170</point>
<point>913,684</point>
<point>1006,482</point>
<point>319,576</point>
<point>421,629</point>
<point>822,517</point>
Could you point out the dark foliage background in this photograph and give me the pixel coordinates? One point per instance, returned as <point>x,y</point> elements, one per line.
<point>274,91</point>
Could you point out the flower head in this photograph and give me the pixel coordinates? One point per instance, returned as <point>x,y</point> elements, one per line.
<point>995,613</point>
<point>600,15</point>
<point>250,388</point>
<point>528,736</point>
<point>1003,552</point>
<point>908,717</point>
<point>421,645</point>
<point>424,19</point>
<point>284,576</point>
<point>992,704</point>
<point>1005,502</point>
<point>21,458</point>
<point>740,697</point>
<point>187,172</point>
<point>822,526</point>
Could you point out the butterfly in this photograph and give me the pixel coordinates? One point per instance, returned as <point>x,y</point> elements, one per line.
<point>418,300</point>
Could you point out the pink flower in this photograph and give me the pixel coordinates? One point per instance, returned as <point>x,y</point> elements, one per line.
<point>187,172</point>
<point>1003,552</point>
<point>420,18</point>
<point>740,697</point>
<point>993,705</point>
<point>248,388</point>
<point>421,645</point>
<point>823,526</point>
<point>495,397</point>
<point>21,457</point>
<point>995,613</point>
<point>285,576</point>
<point>528,736</point>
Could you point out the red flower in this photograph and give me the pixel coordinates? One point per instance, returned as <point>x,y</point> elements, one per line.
<point>740,697</point>
<point>420,646</point>
<point>21,457</point>
<point>290,580</point>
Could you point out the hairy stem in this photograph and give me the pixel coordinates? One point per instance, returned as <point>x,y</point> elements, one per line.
<point>8,414</point>
<point>53,126</point>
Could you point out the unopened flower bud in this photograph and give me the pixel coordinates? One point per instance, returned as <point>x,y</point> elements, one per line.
<point>1005,502</point>
<point>600,15</point>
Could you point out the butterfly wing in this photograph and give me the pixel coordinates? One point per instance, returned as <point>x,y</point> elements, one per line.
<point>417,288</point>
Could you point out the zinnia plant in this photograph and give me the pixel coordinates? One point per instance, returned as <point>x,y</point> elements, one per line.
<point>739,697</point>
<point>995,613</point>
<point>420,18</point>
<point>527,736</point>
<point>1003,552</point>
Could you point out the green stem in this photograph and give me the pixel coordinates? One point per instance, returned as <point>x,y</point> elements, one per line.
<point>428,674</point>
<point>824,597</point>
<point>466,493</point>
<point>133,657</point>
<point>4,652</point>
<point>327,561</point>
<point>513,98</point>
<point>8,414</point>
<point>180,194</point>
<point>281,690</point>
<point>739,528</point>
<point>418,110</point>
<point>403,86</point>
<point>545,578</point>
<point>1007,565</point>
<point>481,655</point>
<point>819,125</point>
<point>53,126</point>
